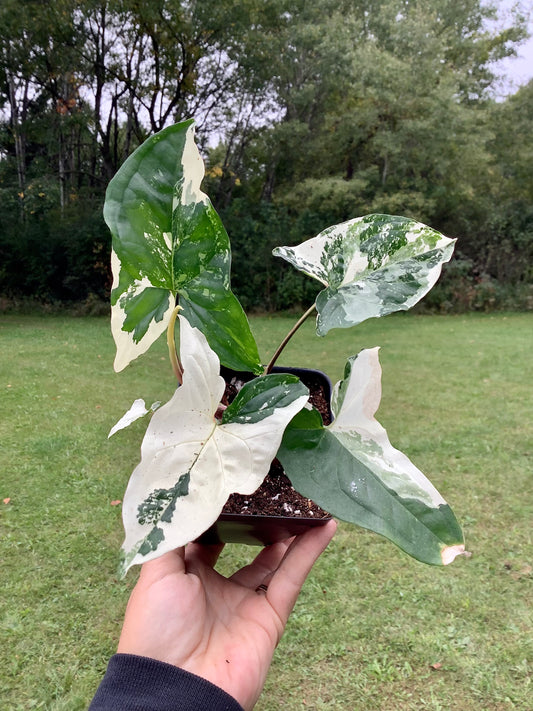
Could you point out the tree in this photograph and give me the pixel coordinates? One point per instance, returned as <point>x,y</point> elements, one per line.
<point>319,111</point>
<point>509,221</point>
<point>384,86</point>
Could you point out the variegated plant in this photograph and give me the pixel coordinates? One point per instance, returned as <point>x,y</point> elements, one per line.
<point>171,264</point>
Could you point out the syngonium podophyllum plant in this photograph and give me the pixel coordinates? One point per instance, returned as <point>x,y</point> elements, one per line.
<point>171,265</point>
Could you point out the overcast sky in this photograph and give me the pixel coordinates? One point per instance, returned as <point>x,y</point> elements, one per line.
<point>518,70</point>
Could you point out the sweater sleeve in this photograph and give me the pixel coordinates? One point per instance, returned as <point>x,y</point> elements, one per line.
<point>134,683</point>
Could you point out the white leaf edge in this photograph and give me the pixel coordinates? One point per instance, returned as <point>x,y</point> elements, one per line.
<point>183,437</point>
<point>136,411</point>
<point>355,424</point>
<point>308,256</point>
<point>127,349</point>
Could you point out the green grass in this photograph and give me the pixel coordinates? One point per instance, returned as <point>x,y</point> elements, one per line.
<point>457,398</point>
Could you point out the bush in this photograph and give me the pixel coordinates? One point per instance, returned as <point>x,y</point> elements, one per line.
<point>460,290</point>
<point>55,256</point>
<point>261,281</point>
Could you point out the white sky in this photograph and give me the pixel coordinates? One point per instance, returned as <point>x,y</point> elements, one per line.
<point>518,70</point>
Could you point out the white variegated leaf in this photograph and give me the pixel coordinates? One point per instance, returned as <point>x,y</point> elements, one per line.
<point>371,266</point>
<point>351,469</point>
<point>169,243</point>
<point>359,431</point>
<point>136,411</point>
<point>143,293</point>
<point>190,463</point>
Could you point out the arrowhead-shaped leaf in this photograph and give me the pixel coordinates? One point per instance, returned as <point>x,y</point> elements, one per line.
<point>351,469</point>
<point>190,463</point>
<point>136,411</point>
<point>168,241</point>
<point>371,266</point>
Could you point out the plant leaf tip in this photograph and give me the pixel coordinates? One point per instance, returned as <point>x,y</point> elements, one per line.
<point>450,553</point>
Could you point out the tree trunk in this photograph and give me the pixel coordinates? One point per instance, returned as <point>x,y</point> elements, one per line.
<point>19,138</point>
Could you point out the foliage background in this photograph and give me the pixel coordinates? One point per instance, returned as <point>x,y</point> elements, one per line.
<point>308,113</point>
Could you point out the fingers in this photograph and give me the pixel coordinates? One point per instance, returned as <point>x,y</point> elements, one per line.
<point>281,567</point>
<point>263,566</point>
<point>179,560</point>
<point>288,579</point>
<point>204,554</point>
<point>172,562</point>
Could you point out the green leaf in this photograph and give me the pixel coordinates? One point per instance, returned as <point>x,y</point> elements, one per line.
<point>190,463</point>
<point>168,242</point>
<point>204,307</point>
<point>351,469</point>
<point>371,266</point>
<point>261,397</point>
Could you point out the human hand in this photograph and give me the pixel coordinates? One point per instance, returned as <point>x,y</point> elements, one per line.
<point>222,629</point>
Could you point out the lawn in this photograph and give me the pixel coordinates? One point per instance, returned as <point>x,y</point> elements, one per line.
<point>373,629</point>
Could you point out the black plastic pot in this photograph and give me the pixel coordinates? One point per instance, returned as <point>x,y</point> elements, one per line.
<point>254,529</point>
<point>257,530</point>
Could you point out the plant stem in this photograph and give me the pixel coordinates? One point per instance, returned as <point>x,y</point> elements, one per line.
<point>171,342</point>
<point>288,338</point>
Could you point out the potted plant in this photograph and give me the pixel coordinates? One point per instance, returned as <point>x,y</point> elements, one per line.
<point>171,264</point>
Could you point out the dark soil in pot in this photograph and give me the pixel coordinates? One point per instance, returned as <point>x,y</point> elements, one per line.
<point>276,496</point>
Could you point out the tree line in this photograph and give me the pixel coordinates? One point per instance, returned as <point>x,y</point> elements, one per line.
<point>308,113</point>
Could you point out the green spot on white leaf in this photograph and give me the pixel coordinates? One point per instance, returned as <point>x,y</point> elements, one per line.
<point>151,542</point>
<point>160,503</point>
